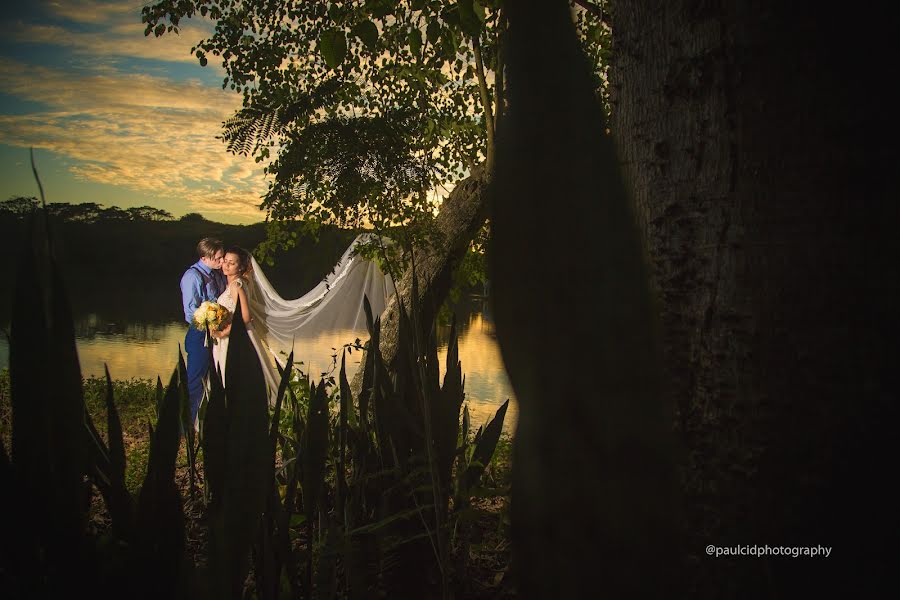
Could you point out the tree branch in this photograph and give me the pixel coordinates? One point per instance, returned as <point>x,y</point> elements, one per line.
<point>498,73</point>
<point>595,10</point>
<point>485,101</point>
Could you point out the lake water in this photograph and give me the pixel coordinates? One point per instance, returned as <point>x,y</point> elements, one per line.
<point>144,349</point>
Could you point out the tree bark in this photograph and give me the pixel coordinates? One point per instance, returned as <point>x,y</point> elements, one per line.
<point>768,210</point>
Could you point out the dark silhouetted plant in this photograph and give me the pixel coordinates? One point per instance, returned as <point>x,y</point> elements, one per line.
<point>323,496</point>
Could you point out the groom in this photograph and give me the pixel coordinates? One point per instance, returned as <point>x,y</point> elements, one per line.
<point>202,281</point>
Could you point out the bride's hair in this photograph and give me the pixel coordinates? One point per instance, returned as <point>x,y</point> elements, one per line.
<point>243,266</point>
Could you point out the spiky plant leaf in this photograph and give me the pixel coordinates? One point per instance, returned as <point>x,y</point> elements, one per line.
<point>49,448</point>
<point>266,567</point>
<point>446,409</point>
<point>370,320</point>
<point>67,408</point>
<point>279,397</point>
<point>118,500</point>
<point>466,426</point>
<point>315,449</point>
<point>160,393</point>
<point>248,467</point>
<point>272,551</point>
<point>160,516</point>
<point>187,424</point>
<point>485,446</point>
<point>346,409</point>
<point>326,573</point>
<point>98,452</point>
<point>215,432</point>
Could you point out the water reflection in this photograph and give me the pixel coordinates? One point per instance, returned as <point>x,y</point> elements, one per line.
<point>487,386</point>
<point>146,349</point>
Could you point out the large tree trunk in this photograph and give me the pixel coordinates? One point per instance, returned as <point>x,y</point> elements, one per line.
<point>593,503</point>
<point>460,217</point>
<point>767,210</point>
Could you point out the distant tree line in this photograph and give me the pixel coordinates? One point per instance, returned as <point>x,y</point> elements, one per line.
<point>87,212</point>
<point>128,262</point>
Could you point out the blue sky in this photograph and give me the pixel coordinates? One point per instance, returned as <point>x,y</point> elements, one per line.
<point>115,117</point>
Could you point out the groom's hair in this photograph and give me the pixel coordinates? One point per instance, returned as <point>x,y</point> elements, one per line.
<point>208,247</point>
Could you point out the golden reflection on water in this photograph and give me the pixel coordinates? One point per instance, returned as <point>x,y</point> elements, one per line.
<point>487,386</point>
<point>147,350</point>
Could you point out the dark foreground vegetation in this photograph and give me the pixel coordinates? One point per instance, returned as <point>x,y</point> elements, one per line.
<point>110,491</point>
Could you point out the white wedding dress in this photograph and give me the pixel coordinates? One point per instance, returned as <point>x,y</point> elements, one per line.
<point>335,304</point>
<point>220,349</point>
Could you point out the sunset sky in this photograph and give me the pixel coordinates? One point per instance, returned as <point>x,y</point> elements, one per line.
<point>115,117</point>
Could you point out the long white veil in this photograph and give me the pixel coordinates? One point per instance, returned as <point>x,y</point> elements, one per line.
<point>336,303</point>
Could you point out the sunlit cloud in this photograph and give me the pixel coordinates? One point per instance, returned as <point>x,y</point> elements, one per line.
<point>146,133</point>
<point>125,40</point>
<point>92,11</point>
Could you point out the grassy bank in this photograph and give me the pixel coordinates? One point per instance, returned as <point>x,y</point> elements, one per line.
<point>135,399</point>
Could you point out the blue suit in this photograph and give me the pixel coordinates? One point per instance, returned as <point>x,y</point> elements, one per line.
<point>198,284</point>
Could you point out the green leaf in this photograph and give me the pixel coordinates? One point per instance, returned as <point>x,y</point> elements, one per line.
<point>451,42</point>
<point>414,39</point>
<point>479,11</point>
<point>433,31</point>
<point>471,16</point>
<point>334,13</point>
<point>333,47</point>
<point>379,8</point>
<point>450,15</point>
<point>367,33</point>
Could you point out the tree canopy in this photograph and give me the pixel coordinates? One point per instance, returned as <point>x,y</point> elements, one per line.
<point>368,111</point>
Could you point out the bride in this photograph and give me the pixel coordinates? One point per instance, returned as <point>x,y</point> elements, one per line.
<point>275,324</point>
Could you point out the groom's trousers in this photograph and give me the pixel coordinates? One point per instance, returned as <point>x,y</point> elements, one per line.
<point>197,367</point>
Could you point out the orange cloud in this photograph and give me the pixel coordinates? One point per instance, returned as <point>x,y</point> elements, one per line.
<point>147,133</point>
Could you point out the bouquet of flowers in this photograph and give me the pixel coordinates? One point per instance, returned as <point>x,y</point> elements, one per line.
<point>211,315</point>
